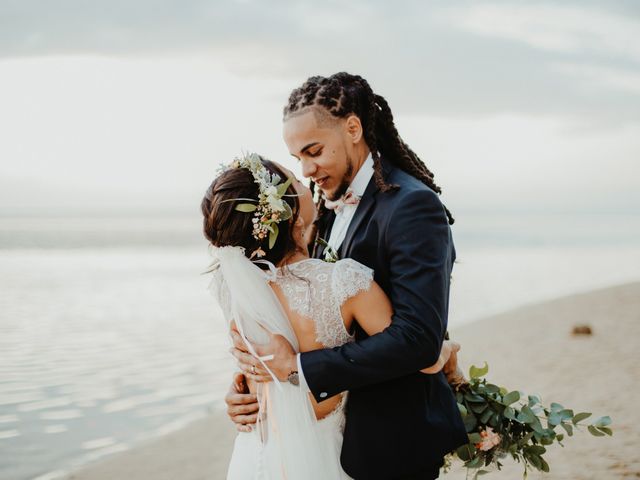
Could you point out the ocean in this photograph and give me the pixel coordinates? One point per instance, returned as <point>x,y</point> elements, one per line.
<point>109,336</point>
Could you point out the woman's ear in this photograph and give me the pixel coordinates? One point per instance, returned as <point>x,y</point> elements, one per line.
<point>354,128</point>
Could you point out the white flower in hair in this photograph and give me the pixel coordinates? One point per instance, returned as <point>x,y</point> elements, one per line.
<point>270,208</point>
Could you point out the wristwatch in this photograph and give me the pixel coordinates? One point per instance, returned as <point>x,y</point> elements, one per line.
<point>293,378</point>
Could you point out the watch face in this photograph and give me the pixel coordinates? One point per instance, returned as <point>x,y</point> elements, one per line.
<point>294,379</point>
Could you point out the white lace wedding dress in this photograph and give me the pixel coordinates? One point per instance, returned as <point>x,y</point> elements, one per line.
<point>290,443</point>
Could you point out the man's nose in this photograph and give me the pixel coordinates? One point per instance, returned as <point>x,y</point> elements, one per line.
<point>308,168</point>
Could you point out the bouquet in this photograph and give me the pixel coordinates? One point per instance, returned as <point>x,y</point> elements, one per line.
<point>500,423</point>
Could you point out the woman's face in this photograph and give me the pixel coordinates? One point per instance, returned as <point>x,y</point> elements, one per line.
<point>305,199</point>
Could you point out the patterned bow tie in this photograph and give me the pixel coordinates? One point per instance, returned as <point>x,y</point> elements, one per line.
<point>348,198</point>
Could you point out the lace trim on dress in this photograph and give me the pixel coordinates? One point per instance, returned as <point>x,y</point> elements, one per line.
<point>317,290</point>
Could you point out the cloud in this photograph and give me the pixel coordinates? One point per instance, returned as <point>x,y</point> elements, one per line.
<point>453,59</point>
<point>559,28</point>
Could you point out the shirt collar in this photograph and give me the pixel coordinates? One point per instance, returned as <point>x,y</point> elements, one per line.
<point>363,176</point>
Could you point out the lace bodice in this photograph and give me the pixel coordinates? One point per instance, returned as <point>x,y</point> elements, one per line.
<point>317,290</point>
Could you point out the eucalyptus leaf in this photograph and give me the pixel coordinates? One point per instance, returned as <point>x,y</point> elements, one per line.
<point>463,410</point>
<point>282,188</point>
<point>474,462</point>
<point>554,418</point>
<point>475,437</point>
<point>465,452</point>
<point>602,422</point>
<point>246,207</point>
<point>566,414</point>
<point>578,417</point>
<point>556,407</point>
<point>273,235</point>
<point>510,398</point>
<point>509,413</point>
<point>287,214</point>
<point>477,372</point>
<point>594,431</point>
<point>568,428</point>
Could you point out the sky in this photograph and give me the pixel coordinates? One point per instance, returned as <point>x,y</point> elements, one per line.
<point>120,105</point>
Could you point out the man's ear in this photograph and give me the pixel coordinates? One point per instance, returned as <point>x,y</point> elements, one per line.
<point>354,128</point>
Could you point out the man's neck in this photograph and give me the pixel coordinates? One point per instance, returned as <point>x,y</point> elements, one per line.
<point>362,156</point>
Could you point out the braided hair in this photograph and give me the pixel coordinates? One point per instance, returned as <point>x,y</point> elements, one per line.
<point>343,94</point>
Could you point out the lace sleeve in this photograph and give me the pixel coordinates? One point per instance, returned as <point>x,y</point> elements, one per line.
<point>349,278</point>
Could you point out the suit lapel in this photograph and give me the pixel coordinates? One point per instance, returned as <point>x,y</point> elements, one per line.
<point>324,231</point>
<point>367,202</point>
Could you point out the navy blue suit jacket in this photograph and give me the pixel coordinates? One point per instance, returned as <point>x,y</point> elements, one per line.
<point>399,421</point>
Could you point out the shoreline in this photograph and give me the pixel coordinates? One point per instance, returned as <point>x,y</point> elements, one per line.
<point>528,348</point>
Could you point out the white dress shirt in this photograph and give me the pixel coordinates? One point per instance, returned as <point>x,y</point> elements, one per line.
<point>341,225</point>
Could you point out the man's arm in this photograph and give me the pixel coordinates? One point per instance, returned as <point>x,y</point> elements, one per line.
<point>420,251</point>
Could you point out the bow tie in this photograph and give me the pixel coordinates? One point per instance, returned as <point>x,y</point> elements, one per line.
<point>348,198</point>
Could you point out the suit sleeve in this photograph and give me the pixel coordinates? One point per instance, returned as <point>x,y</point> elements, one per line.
<point>420,252</point>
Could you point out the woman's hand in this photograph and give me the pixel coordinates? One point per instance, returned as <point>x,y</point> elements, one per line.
<point>448,353</point>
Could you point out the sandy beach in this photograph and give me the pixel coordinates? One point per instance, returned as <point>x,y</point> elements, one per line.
<point>530,349</point>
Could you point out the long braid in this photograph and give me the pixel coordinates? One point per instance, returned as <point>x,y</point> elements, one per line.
<point>343,94</point>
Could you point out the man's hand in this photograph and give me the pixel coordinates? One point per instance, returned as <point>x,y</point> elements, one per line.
<point>282,362</point>
<point>448,360</point>
<point>452,370</point>
<point>242,406</point>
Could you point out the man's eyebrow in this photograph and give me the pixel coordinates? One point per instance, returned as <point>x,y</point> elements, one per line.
<point>306,147</point>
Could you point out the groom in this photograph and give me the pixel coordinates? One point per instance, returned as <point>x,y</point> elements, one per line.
<point>380,207</point>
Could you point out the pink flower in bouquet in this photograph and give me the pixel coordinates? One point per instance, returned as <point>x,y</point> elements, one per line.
<point>490,439</point>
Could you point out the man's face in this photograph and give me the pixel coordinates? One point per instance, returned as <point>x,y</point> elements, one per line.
<point>323,149</point>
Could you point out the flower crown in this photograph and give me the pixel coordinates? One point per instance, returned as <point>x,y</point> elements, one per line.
<point>270,208</point>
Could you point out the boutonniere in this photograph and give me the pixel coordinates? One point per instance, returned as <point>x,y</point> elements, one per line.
<point>330,255</point>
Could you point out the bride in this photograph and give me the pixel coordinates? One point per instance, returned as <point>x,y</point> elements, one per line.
<point>256,215</point>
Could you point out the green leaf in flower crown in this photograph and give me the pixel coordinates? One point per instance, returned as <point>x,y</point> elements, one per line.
<point>606,430</point>
<point>602,422</point>
<point>273,235</point>
<point>477,372</point>
<point>287,214</point>
<point>511,397</point>
<point>578,417</point>
<point>246,207</point>
<point>594,431</point>
<point>283,186</point>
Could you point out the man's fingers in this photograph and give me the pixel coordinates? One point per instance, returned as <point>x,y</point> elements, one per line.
<point>247,409</point>
<point>245,419</point>
<point>240,398</point>
<point>243,428</point>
